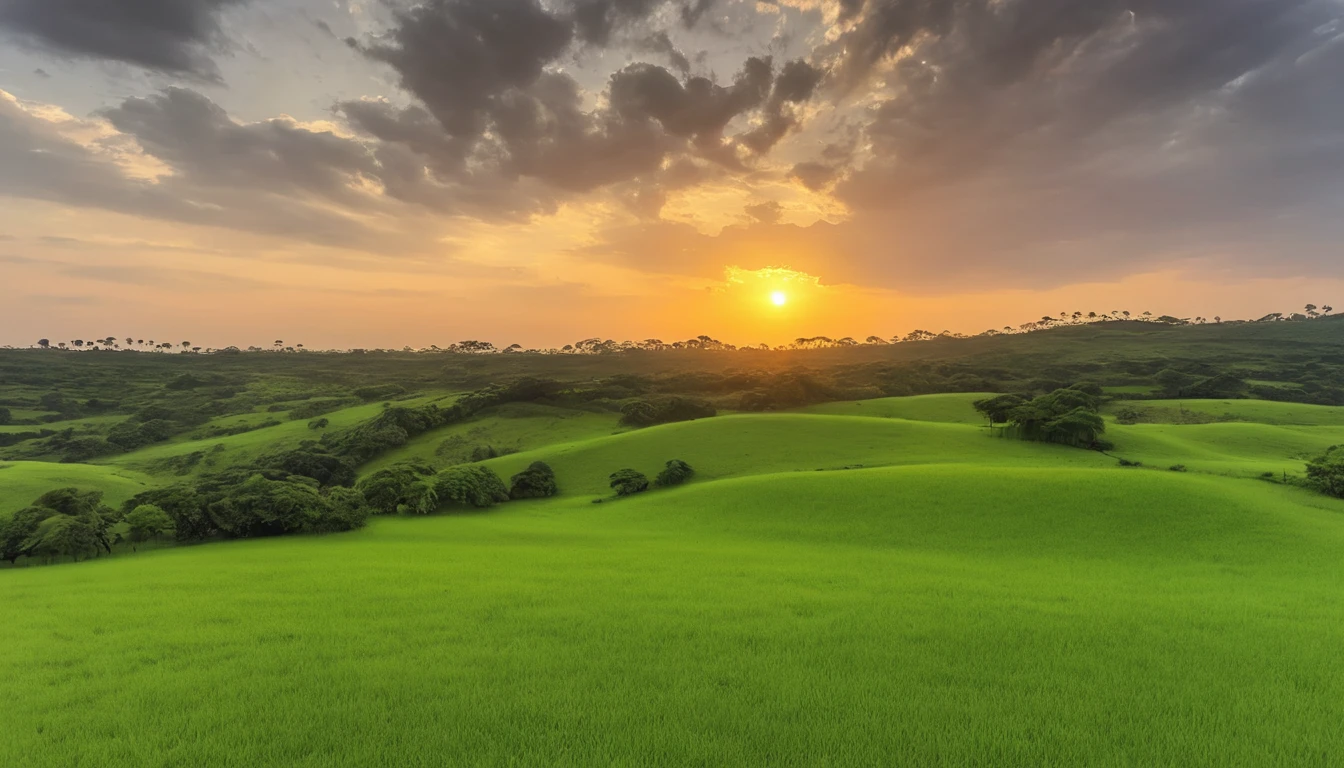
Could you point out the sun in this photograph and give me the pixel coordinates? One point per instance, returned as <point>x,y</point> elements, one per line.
<point>779,298</point>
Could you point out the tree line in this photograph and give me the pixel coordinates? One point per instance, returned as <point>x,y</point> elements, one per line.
<point>600,346</point>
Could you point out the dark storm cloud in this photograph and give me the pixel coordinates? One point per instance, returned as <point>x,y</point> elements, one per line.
<point>174,36</point>
<point>595,20</point>
<point>457,57</point>
<point>698,108</point>
<point>548,136</point>
<point>796,83</point>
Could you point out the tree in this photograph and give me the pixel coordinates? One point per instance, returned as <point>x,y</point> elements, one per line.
<point>535,482</point>
<point>1173,381</point>
<point>997,410</point>
<point>44,343</point>
<point>18,530</point>
<point>5,416</point>
<point>627,482</point>
<point>1069,416</point>
<point>1326,471</point>
<point>393,488</point>
<point>470,484</point>
<point>147,522</point>
<point>675,472</point>
<point>63,535</point>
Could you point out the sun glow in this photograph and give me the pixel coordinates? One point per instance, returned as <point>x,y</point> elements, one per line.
<point>778,298</point>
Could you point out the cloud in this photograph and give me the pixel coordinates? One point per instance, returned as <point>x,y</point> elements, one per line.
<point>660,43</point>
<point>697,109</point>
<point>766,213</point>
<point>171,36</point>
<point>42,162</point>
<point>458,57</point>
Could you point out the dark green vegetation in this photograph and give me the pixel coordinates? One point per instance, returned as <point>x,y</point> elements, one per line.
<point>855,573</point>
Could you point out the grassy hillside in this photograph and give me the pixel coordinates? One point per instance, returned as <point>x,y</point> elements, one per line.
<point>864,581</point>
<point>936,615</point>
<point>23,481</point>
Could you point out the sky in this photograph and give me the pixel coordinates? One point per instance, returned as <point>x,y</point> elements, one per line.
<point>379,173</point>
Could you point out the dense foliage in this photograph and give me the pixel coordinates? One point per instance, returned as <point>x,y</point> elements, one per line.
<point>1326,471</point>
<point>535,482</point>
<point>470,485</point>
<point>1070,416</point>
<point>675,472</point>
<point>664,410</point>
<point>628,482</point>
<point>62,523</point>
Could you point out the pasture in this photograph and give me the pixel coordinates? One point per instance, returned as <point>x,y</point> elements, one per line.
<point>932,595</point>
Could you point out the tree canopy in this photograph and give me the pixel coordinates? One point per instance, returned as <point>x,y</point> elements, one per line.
<point>535,482</point>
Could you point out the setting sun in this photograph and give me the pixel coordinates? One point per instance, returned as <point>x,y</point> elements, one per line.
<point>778,298</point>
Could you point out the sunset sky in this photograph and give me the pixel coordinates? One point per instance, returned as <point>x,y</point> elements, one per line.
<point>367,173</point>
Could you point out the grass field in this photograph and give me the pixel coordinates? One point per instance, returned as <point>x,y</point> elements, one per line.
<point>23,481</point>
<point>874,584</point>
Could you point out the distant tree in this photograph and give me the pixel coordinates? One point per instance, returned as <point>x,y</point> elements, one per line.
<point>1326,471</point>
<point>535,482</point>
<point>627,482</point>
<point>147,522</point>
<point>5,416</point>
<point>1311,310</point>
<point>44,343</point>
<point>1173,381</point>
<point>675,472</point>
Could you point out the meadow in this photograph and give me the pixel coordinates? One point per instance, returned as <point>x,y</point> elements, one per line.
<point>877,581</point>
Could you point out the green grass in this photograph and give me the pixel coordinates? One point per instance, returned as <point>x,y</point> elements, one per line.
<point>952,408</point>
<point>513,427</point>
<point>1257,411</point>
<point>932,596</point>
<point>915,615</point>
<point>23,481</point>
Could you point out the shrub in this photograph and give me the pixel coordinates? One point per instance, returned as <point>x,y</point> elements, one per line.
<point>5,416</point>
<point>1128,463</point>
<point>627,482</point>
<point>470,484</point>
<point>318,424</point>
<point>535,482</point>
<point>1326,472</point>
<point>675,473</point>
<point>1178,468</point>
